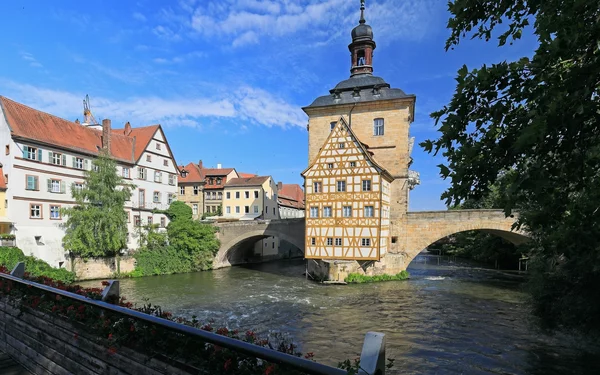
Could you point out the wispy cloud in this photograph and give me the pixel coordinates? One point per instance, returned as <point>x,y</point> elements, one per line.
<point>248,104</point>
<point>31,60</point>
<point>139,16</point>
<point>179,58</point>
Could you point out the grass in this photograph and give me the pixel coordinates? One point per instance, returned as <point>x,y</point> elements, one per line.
<point>356,278</point>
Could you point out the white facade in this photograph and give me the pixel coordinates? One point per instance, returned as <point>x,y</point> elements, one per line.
<point>38,188</point>
<point>290,212</point>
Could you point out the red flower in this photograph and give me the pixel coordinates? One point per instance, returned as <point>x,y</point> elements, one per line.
<point>110,336</point>
<point>132,328</point>
<point>309,355</point>
<point>105,283</point>
<point>112,350</point>
<point>227,364</point>
<point>269,370</point>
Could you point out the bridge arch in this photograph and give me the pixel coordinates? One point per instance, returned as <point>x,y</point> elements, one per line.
<point>425,228</point>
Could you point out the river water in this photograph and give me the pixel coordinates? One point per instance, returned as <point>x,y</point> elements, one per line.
<point>448,319</point>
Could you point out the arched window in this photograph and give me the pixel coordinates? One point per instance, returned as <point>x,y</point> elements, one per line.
<point>360,57</point>
<point>378,126</point>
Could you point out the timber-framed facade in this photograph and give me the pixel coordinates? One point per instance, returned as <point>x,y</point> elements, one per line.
<point>347,200</point>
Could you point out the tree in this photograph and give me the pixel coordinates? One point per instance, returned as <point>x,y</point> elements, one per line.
<point>538,117</point>
<point>179,210</point>
<point>97,225</point>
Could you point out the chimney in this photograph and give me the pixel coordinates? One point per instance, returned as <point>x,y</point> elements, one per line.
<point>77,121</point>
<point>127,129</point>
<point>218,165</point>
<point>200,164</point>
<point>106,135</point>
<point>279,186</point>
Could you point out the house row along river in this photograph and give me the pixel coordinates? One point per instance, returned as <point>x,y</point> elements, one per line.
<point>447,319</point>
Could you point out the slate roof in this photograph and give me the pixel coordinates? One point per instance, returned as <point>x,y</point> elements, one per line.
<point>358,89</point>
<point>248,181</point>
<point>32,124</point>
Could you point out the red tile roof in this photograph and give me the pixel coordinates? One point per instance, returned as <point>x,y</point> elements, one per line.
<point>193,173</point>
<point>246,175</point>
<point>216,171</point>
<point>291,195</point>
<point>2,180</point>
<point>31,124</point>
<point>248,181</point>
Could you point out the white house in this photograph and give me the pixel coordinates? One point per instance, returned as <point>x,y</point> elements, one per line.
<point>45,157</point>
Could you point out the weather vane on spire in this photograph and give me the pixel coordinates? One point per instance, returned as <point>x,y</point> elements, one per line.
<point>362,12</point>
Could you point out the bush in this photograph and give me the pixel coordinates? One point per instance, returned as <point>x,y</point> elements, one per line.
<point>10,256</point>
<point>357,278</point>
<point>7,237</point>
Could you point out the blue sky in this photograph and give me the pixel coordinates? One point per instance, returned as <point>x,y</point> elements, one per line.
<point>227,78</point>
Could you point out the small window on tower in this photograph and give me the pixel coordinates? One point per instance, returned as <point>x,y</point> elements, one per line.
<point>360,58</point>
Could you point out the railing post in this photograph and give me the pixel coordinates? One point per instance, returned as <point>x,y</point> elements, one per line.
<point>372,358</point>
<point>112,289</point>
<point>19,270</point>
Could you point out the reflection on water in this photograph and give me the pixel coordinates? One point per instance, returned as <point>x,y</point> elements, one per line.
<point>444,320</point>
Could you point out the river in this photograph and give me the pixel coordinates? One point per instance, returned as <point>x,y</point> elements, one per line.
<point>448,319</point>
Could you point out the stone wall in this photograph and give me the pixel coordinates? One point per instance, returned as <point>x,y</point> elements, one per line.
<point>47,344</point>
<point>101,268</point>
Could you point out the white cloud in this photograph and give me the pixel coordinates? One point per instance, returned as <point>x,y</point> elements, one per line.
<point>165,32</point>
<point>249,37</point>
<point>139,16</point>
<point>30,59</point>
<point>247,104</point>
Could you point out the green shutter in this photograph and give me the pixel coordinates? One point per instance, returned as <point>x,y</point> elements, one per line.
<point>63,187</point>
<point>25,149</point>
<point>85,164</point>
<point>74,162</point>
<point>39,155</point>
<point>64,159</point>
<point>50,158</point>
<point>49,184</point>
<point>36,183</point>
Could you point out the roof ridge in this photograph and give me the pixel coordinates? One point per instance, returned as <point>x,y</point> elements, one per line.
<point>38,110</point>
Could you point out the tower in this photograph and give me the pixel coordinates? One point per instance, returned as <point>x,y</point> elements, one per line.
<point>379,118</point>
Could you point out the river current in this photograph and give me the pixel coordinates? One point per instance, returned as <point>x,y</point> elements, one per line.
<point>448,319</point>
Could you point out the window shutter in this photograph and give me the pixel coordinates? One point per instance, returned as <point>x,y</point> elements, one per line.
<point>74,162</point>
<point>25,149</point>
<point>39,155</point>
<point>50,159</point>
<point>49,184</point>
<point>64,159</point>
<point>85,164</point>
<point>36,183</point>
<point>63,187</point>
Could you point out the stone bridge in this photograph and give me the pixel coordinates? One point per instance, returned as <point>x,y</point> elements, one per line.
<point>236,237</point>
<point>426,227</point>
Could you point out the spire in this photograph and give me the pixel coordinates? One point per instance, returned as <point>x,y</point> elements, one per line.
<point>362,12</point>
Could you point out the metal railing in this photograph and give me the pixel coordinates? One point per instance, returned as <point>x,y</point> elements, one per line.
<point>372,356</point>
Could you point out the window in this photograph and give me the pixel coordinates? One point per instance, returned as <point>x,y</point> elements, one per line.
<point>7,149</point>
<point>166,162</point>
<point>272,245</point>
<point>156,197</point>
<point>228,195</point>
<point>35,211</point>
<point>347,211</point>
<point>352,164</point>
<point>219,180</point>
<point>125,172</point>
<point>237,209</point>
<point>255,193</point>
<point>246,209</point>
<point>149,220</point>
<point>195,209</point>
<point>326,211</point>
<point>207,209</point>
<point>148,157</point>
<point>247,194</point>
<point>163,221</point>
<point>332,125</point>
<point>378,126</point>
<point>57,159</point>
<point>394,239</point>
<point>366,185</point>
<point>341,186</point>
<point>78,186</point>
<point>32,153</point>
<point>56,186</point>
<point>237,195</point>
<point>255,209</point>
<point>142,197</point>
<point>141,173</point>
<point>6,203</point>
<point>228,209</point>
<point>338,242</point>
<point>329,241</point>
<point>171,179</point>
<point>210,181</point>
<point>274,211</point>
<point>55,212</point>
<point>195,189</point>
<point>157,146</point>
<point>182,190</point>
<point>314,212</point>
<point>220,195</point>
<point>32,183</point>
<point>368,211</point>
<point>157,176</point>
<point>365,242</point>
<point>171,198</point>
<point>341,145</point>
<point>79,163</point>
<point>330,165</point>
<point>136,220</point>
<point>313,241</point>
<point>316,187</point>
